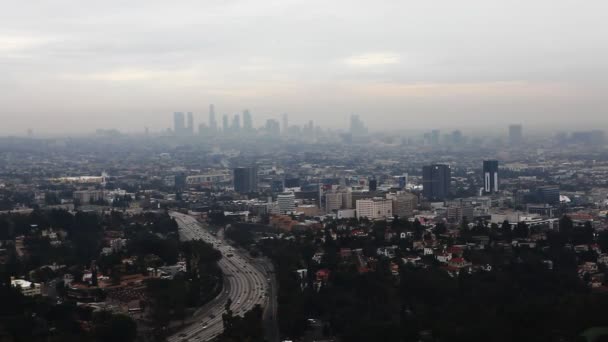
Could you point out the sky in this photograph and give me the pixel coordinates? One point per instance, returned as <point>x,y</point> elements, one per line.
<point>70,66</point>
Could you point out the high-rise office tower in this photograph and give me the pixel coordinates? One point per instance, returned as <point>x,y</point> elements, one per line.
<point>236,124</point>
<point>357,128</point>
<point>490,176</point>
<point>190,128</point>
<point>246,179</point>
<point>456,137</point>
<point>436,181</point>
<point>212,122</point>
<point>516,135</point>
<point>179,125</point>
<point>373,184</point>
<point>401,181</point>
<point>272,128</point>
<point>435,135</point>
<point>285,124</point>
<point>247,121</point>
<point>225,127</point>
<point>548,194</point>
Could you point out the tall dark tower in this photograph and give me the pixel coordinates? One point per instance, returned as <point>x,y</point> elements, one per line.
<point>246,179</point>
<point>436,181</point>
<point>225,126</point>
<point>373,184</point>
<point>190,128</point>
<point>236,124</point>
<point>212,122</point>
<point>490,176</point>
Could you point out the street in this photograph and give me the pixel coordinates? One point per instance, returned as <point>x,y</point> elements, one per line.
<point>244,283</point>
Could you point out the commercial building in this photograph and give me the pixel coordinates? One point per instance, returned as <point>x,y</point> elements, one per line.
<point>373,184</point>
<point>87,196</point>
<point>246,179</point>
<point>357,127</point>
<point>460,210</point>
<point>490,176</point>
<point>286,203</point>
<point>190,127</point>
<point>516,135</point>
<point>401,181</point>
<point>247,121</point>
<point>212,121</point>
<point>548,194</point>
<point>336,199</point>
<point>179,124</point>
<point>404,203</point>
<point>375,208</point>
<point>436,181</point>
<point>208,179</point>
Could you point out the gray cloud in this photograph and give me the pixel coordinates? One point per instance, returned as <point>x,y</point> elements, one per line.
<point>397,63</point>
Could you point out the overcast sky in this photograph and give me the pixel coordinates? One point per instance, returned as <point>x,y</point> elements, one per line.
<point>68,66</point>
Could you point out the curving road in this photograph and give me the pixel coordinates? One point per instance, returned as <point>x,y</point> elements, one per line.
<point>244,284</point>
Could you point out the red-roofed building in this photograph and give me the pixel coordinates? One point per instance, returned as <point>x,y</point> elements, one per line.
<point>458,262</point>
<point>323,275</point>
<point>455,251</point>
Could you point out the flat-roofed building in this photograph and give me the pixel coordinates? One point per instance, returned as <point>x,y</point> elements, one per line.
<point>375,208</point>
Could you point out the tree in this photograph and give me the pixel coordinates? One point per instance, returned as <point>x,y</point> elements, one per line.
<point>440,228</point>
<point>603,240</point>
<point>566,227</point>
<point>248,328</point>
<point>521,230</point>
<point>418,229</point>
<point>115,328</point>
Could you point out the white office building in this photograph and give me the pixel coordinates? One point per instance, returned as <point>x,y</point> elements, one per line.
<point>374,208</point>
<point>287,203</point>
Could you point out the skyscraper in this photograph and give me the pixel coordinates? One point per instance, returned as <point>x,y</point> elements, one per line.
<point>436,181</point>
<point>225,127</point>
<point>190,128</point>
<point>236,124</point>
<point>516,134</point>
<point>179,125</point>
<point>212,122</point>
<point>373,184</point>
<point>435,135</point>
<point>272,128</point>
<point>247,121</point>
<point>490,176</point>
<point>357,128</point>
<point>246,179</point>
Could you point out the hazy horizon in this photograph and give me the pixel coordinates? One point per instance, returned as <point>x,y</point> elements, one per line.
<point>411,65</point>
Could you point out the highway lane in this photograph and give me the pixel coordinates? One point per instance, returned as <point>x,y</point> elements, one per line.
<point>244,284</point>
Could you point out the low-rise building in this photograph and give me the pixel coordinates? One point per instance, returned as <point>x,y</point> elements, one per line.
<point>27,288</point>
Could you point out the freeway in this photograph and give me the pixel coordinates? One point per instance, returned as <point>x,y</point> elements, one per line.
<point>244,284</point>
